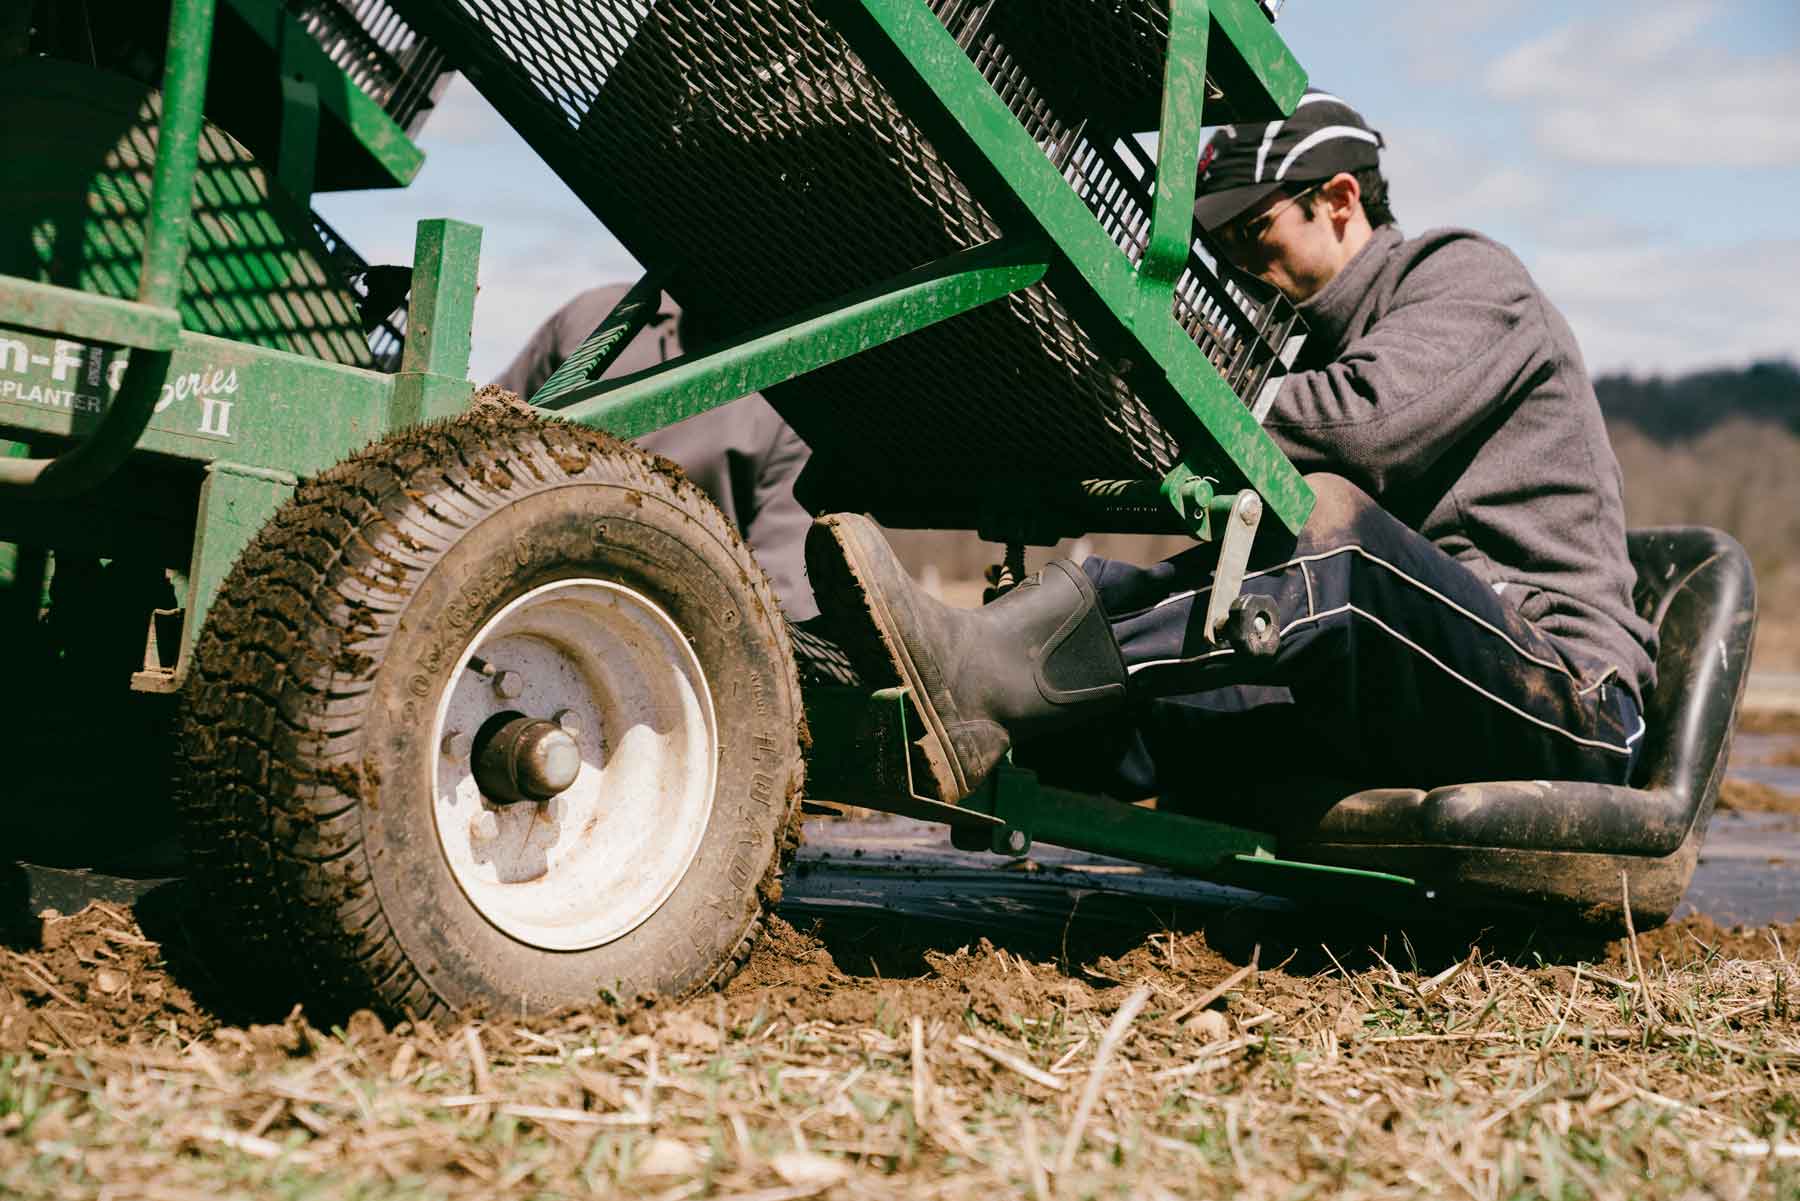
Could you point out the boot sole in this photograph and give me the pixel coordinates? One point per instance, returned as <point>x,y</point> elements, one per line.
<point>842,579</point>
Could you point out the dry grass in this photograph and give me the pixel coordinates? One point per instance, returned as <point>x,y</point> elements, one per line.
<point>1168,1071</point>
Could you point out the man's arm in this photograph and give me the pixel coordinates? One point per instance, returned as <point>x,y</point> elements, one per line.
<point>1462,333</point>
<point>777,524</point>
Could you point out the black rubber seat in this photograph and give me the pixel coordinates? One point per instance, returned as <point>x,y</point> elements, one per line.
<point>1561,846</point>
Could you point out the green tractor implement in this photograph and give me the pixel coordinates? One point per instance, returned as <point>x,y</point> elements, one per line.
<point>472,705</point>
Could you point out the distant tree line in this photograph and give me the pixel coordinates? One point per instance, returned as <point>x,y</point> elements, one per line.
<point>1721,448</point>
<point>1672,409</point>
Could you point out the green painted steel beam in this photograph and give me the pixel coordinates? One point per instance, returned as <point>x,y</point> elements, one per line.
<point>297,160</point>
<point>633,405</point>
<point>938,86</point>
<point>177,152</point>
<point>600,348</point>
<point>301,55</point>
<point>433,380</point>
<point>220,399</point>
<point>1177,151</point>
<point>84,316</point>
<point>1260,75</point>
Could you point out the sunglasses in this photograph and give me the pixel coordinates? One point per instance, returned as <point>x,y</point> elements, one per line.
<point>1239,238</point>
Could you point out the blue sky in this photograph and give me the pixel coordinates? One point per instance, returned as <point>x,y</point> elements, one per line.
<point>1642,158</point>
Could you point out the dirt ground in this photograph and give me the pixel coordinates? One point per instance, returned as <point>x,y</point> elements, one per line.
<point>1753,796</point>
<point>1260,1055</point>
<point>1769,721</point>
<point>1237,1052</point>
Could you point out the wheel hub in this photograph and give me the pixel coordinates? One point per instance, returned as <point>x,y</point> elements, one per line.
<point>525,759</point>
<point>569,832</point>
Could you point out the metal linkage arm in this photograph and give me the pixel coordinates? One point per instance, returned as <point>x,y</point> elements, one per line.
<point>603,346</point>
<point>635,404</point>
<point>152,328</point>
<point>1178,148</point>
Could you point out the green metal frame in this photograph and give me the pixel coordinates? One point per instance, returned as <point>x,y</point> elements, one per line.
<point>941,89</point>
<point>121,377</point>
<point>313,88</point>
<point>254,420</point>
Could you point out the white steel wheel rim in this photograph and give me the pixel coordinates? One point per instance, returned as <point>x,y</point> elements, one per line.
<point>595,861</point>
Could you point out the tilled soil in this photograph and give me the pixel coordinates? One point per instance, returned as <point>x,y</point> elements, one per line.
<point>1243,1056</point>
<point>95,977</point>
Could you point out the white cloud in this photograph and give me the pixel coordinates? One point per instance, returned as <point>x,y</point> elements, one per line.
<point>1435,39</point>
<point>1661,308</point>
<point>1441,179</point>
<point>463,117</point>
<point>1646,91</point>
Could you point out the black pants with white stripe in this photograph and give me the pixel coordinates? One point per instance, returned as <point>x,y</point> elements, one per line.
<point>1398,667</point>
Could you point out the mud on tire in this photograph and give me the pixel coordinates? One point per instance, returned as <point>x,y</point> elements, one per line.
<point>309,788</point>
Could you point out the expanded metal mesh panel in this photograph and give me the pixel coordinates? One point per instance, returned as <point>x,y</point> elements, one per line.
<point>380,52</point>
<point>740,148</point>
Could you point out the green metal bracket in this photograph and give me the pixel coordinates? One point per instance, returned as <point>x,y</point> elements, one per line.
<point>1252,64</point>
<point>634,405</point>
<point>235,502</point>
<point>1012,796</point>
<point>298,158</point>
<point>433,378</point>
<point>1032,812</point>
<point>1194,500</point>
<point>597,352</point>
<point>302,57</point>
<point>1177,150</point>
<point>936,83</point>
<point>297,155</point>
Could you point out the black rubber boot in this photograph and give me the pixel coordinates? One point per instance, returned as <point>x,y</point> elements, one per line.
<point>1040,658</point>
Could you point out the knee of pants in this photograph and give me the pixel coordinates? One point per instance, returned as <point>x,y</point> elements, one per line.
<point>1341,510</point>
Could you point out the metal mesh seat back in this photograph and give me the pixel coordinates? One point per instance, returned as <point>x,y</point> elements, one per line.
<point>740,148</point>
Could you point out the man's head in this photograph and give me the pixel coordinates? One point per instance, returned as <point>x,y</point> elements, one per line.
<point>1291,202</point>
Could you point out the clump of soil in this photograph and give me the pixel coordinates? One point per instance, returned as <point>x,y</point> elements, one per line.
<point>1699,938</point>
<point>494,397</point>
<point>786,958</point>
<point>1753,796</point>
<point>92,978</point>
<point>95,978</point>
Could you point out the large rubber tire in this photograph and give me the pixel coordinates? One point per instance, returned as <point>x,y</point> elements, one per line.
<point>309,786</point>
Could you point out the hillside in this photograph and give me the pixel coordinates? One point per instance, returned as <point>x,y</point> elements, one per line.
<point>1671,409</point>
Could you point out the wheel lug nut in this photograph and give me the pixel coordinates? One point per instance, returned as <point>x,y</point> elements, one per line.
<point>456,745</point>
<point>568,719</point>
<point>484,827</point>
<point>509,684</point>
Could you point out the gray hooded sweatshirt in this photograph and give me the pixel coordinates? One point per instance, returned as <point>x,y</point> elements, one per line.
<point>1439,379</point>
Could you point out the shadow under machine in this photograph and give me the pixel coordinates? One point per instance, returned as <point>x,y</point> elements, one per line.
<point>494,710</point>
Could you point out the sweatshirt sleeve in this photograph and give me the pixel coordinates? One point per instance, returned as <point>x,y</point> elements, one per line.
<point>1460,334</point>
<point>557,338</point>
